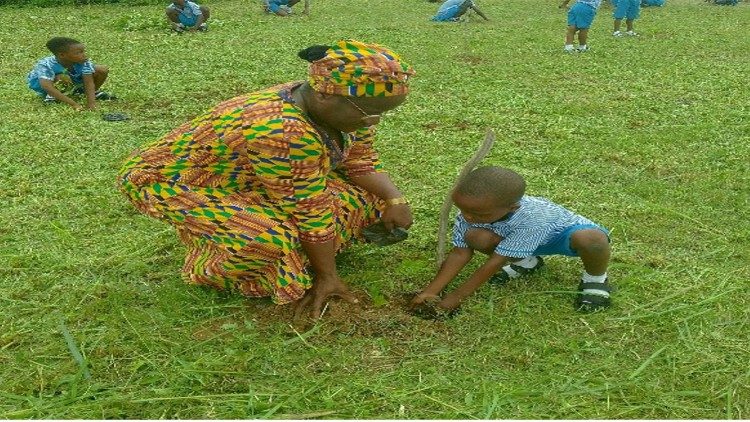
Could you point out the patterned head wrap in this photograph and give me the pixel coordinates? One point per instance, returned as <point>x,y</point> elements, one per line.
<point>355,69</point>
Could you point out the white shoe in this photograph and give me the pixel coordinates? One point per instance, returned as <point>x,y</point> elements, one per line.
<point>617,34</point>
<point>583,48</point>
<point>631,33</point>
<point>569,49</point>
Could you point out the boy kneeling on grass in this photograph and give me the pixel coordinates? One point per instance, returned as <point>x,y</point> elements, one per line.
<point>515,230</point>
<point>70,71</point>
<point>185,15</point>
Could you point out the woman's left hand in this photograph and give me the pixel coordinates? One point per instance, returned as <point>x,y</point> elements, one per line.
<point>397,216</point>
<point>450,302</point>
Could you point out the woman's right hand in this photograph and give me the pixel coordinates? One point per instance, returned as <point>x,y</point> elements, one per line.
<point>421,298</point>
<point>322,290</point>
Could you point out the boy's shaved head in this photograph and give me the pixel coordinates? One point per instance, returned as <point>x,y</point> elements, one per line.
<point>59,45</point>
<point>504,185</point>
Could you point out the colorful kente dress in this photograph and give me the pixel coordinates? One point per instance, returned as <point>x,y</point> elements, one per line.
<point>245,182</point>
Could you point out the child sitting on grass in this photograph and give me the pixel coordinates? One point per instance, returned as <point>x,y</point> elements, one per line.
<point>69,71</point>
<point>452,10</point>
<point>580,18</point>
<point>628,10</point>
<point>280,7</point>
<point>187,15</point>
<point>514,230</point>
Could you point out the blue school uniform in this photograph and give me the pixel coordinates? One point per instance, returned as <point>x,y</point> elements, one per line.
<point>628,9</point>
<point>49,67</point>
<point>582,14</point>
<point>538,227</point>
<point>188,14</point>
<point>449,10</point>
<point>274,6</point>
<point>647,3</point>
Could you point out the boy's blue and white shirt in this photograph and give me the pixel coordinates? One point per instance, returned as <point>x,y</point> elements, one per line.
<point>48,67</point>
<point>190,11</point>
<point>593,3</point>
<point>537,222</point>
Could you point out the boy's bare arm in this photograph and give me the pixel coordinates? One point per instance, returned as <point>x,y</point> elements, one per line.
<point>90,89</point>
<point>456,260</point>
<point>453,299</point>
<point>49,87</point>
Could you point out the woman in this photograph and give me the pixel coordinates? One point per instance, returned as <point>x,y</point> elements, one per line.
<point>265,188</point>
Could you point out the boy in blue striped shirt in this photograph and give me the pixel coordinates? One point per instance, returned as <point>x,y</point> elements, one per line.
<point>515,230</point>
<point>185,15</point>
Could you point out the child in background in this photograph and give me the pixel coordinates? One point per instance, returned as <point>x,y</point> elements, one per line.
<point>187,15</point>
<point>580,17</point>
<point>280,7</point>
<point>514,230</point>
<point>630,10</point>
<point>452,10</point>
<point>69,71</point>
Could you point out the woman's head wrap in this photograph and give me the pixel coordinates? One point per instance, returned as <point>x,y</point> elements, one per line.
<point>356,69</point>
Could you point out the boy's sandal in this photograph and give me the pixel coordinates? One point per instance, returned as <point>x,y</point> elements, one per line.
<point>501,277</point>
<point>587,299</point>
<point>115,117</point>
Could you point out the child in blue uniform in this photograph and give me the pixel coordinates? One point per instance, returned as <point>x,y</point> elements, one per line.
<point>187,15</point>
<point>280,7</point>
<point>628,10</point>
<point>514,230</point>
<point>68,71</point>
<point>452,10</point>
<point>580,17</point>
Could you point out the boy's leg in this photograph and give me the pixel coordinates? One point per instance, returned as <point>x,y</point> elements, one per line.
<point>100,75</point>
<point>206,13</point>
<point>618,24</point>
<point>592,246</point>
<point>486,241</point>
<point>583,37</point>
<point>629,25</point>
<point>173,16</point>
<point>570,34</point>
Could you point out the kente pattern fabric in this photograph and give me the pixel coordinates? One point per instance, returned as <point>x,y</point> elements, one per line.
<point>356,69</point>
<point>244,183</point>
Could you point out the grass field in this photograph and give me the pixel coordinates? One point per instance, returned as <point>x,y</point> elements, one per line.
<point>648,136</point>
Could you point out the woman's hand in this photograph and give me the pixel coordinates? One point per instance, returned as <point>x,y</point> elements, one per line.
<point>450,302</point>
<point>397,216</point>
<point>323,289</point>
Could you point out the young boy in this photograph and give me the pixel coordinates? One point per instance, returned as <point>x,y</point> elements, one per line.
<point>187,15</point>
<point>280,7</point>
<point>70,71</point>
<point>514,230</point>
<point>452,10</point>
<point>580,17</point>
<point>630,10</point>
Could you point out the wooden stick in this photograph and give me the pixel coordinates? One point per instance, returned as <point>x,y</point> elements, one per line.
<point>489,140</point>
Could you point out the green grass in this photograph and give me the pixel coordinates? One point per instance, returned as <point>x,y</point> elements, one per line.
<point>648,136</point>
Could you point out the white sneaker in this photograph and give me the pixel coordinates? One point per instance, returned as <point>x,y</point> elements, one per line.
<point>569,49</point>
<point>617,34</point>
<point>583,48</point>
<point>631,33</point>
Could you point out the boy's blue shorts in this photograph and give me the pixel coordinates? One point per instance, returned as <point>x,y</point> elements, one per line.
<point>561,244</point>
<point>581,15</point>
<point>37,87</point>
<point>188,21</point>
<point>628,9</point>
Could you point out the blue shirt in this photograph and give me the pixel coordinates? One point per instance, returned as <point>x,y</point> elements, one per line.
<point>49,67</point>
<point>275,5</point>
<point>449,10</point>
<point>537,222</point>
<point>190,11</point>
<point>593,3</point>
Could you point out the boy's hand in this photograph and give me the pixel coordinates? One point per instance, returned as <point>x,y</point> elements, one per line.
<point>422,298</point>
<point>450,302</point>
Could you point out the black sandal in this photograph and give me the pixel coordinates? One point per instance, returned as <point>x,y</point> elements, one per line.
<point>501,277</point>
<point>592,302</point>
